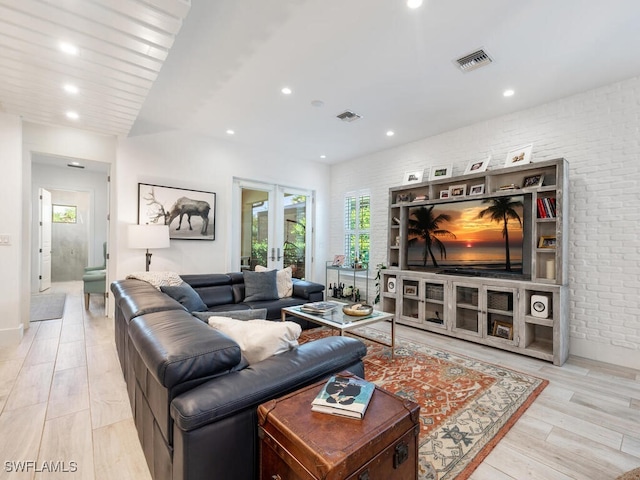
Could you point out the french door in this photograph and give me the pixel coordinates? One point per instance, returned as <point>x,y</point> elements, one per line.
<point>275,227</point>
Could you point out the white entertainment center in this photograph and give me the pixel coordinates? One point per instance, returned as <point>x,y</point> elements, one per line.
<point>526,312</point>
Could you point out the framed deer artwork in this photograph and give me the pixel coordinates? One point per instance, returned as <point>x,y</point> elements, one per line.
<point>190,214</point>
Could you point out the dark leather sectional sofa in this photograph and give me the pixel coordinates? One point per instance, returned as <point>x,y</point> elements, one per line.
<point>193,396</point>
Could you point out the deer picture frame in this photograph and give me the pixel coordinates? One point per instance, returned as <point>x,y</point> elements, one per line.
<point>190,214</point>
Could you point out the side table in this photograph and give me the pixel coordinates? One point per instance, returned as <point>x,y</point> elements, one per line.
<point>299,444</point>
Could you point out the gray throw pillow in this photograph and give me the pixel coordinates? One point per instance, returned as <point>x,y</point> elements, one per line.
<point>187,296</point>
<point>257,314</point>
<point>260,286</point>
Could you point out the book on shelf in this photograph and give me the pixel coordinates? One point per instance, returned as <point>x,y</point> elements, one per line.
<point>546,207</point>
<point>319,307</point>
<point>346,396</point>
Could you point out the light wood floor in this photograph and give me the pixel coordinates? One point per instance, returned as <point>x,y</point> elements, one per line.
<point>63,400</point>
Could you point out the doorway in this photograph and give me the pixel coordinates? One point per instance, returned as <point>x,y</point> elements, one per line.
<point>79,213</point>
<point>275,228</point>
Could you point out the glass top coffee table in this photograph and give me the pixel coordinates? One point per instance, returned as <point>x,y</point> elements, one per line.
<point>338,320</point>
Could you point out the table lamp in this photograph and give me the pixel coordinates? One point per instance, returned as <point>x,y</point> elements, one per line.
<point>148,236</point>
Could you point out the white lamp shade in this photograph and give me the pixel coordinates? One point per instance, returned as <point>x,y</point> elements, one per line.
<point>148,236</point>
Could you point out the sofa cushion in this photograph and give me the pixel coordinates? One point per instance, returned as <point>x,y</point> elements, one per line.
<point>284,280</point>
<point>259,339</point>
<point>187,297</point>
<point>257,314</point>
<point>260,286</point>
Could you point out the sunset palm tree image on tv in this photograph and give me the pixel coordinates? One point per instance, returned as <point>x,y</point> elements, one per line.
<point>479,235</point>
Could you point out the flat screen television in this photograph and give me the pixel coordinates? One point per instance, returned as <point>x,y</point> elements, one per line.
<point>468,237</point>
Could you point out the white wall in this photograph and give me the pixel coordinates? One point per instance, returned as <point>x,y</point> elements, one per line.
<point>598,133</point>
<point>11,198</point>
<point>180,160</point>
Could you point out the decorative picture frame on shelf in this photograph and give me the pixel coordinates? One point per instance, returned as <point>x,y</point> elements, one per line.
<point>190,214</point>
<point>444,194</point>
<point>438,172</point>
<point>477,167</point>
<point>519,156</point>
<point>410,290</point>
<point>412,177</point>
<point>338,261</point>
<point>533,181</point>
<point>547,241</point>
<point>476,189</point>
<point>502,330</point>
<point>458,190</point>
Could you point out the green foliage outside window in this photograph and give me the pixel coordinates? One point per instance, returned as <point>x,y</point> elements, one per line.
<point>357,228</point>
<point>64,214</point>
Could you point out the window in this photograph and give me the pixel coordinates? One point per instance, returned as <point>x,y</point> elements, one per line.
<point>357,226</point>
<point>63,214</point>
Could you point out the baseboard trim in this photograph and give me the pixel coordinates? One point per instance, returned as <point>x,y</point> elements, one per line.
<point>11,337</point>
<point>621,356</point>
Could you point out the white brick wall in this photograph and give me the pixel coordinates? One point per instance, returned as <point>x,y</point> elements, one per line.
<point>598,132</point>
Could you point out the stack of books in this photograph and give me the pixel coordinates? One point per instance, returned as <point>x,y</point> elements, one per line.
<point>546,207</point>
<point>319,307</point>
<point>344,396</point>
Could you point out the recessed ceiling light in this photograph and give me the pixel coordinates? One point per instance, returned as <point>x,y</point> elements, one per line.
<point>414,3</point>
<point>230,132</point>
<point>390,133</point>
<point>508,93</point>
<point>323,156</point>
<point>69,88</point>
<point>286,90</point>
<point>72,115</point>
<point>68,48</point>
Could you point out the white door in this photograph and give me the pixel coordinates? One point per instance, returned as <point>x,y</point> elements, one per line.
<point>274,228</point>
<point>44,243</point>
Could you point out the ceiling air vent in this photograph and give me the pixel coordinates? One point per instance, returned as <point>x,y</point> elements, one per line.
<point>474,60</point>
<point>348,116</point>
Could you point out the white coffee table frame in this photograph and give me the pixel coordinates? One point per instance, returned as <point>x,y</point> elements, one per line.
<point>337,320</point>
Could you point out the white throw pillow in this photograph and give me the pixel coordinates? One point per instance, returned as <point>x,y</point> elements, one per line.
<point>259,339</point>
<point>283,279</point>
<point>158,279</point>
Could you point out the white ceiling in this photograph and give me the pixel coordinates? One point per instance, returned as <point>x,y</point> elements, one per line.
<point>122,45</point>
<point>392,65</point>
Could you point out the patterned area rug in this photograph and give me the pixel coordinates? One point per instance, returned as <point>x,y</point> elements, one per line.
<point>466,406</point>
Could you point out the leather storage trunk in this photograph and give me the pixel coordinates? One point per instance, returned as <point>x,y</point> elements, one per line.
<point>299,444</point>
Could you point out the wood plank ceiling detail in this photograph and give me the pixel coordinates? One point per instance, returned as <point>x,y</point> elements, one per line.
<point>122,47</point>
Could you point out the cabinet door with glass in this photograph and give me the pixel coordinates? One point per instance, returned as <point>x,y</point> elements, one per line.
<point>411,306</point>
<point>466,312</point>
<point>499,307</point>
<point>435,301</point>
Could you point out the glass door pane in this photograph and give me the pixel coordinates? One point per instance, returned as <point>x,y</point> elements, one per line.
<point>467,309</point>
<point>254,235</point>
<point>294,248</point>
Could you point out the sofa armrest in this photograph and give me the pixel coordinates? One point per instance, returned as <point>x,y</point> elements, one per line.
<point>229,394</point>
<point>177,347</point>
<point>305,289</point>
